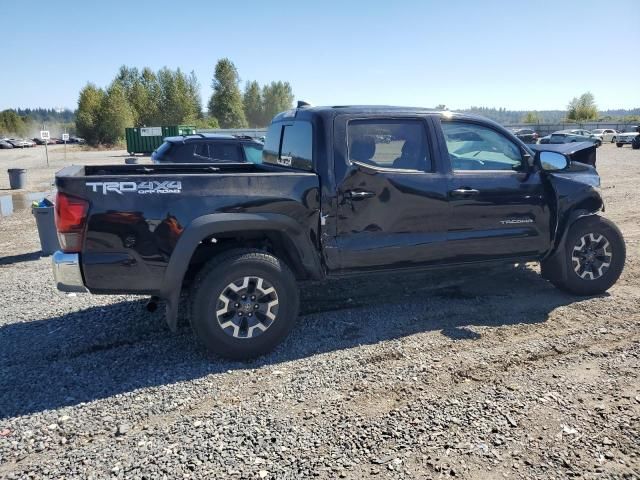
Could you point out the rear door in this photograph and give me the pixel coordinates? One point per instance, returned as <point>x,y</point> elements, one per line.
<point>498,203</point>
<point>392,203</point>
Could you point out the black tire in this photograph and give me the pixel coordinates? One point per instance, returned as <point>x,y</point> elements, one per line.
<point>618,145</point>
<point>635,146</point>
<point>613,139</point>
<point>238,340</point>
<point>578,280</point>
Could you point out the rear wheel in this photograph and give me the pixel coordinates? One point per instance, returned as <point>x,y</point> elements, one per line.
<point>244,303</point>
<point>618,145</point>
<point>613,139</point>
<point>594,254</point>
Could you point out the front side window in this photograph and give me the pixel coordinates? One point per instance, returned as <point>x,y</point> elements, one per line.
<point>182,153</point>
<point>475,147</point>
<point>201,152</point>
<point>389,143</point>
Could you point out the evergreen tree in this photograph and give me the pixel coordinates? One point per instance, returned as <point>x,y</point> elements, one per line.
<point>252,100</point>
<point>225,103</point>
<point>88,113</point>
<point>531,117</point>
<point>582,108</point>
<point>12,124</point>
<point>115,115</point>
<point>276,97</point>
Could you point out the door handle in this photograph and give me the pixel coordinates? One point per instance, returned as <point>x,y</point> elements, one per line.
<point>359,195</point>
<point>464,192</point>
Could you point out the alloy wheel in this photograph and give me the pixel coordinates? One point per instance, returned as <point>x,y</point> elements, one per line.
<point>591,256</point>
<point>247,307</point>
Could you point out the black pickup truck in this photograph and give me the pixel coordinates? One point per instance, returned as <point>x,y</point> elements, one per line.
<point>340,191</point>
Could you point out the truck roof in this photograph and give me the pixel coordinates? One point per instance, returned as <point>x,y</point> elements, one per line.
<point>210,136</point>
<point>328,112</point>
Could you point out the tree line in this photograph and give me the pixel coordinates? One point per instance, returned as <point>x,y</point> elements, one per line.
<point>28,122</point>
<point>137,98</point>
<point>579,109</point>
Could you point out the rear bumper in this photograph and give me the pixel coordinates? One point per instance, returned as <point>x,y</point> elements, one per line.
<point>66,272</point>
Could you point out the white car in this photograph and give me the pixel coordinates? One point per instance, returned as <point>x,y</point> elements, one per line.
<point>605,134</point>
<point>627,137</point>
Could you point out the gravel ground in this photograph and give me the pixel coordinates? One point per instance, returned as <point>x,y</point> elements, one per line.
<point>480,374</point>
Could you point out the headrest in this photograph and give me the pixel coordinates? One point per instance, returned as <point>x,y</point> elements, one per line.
<point>362,149</point>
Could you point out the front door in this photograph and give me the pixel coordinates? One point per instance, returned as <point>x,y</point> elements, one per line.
<point>392,201</point>
<point>498,204</point>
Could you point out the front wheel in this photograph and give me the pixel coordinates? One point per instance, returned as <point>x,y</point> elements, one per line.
<point>244,303</point>
<point>594,254</point>
<point>613,139</point>
<point>619,145</point>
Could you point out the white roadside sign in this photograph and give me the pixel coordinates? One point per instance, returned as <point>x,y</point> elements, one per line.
<point>44,134</point>
<point>65,137</point>
<point>151,132</point>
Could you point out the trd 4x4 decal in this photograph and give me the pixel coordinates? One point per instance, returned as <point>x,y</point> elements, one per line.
<point>142,188</point>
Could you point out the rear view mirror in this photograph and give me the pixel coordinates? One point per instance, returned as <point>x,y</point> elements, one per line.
<point>553,161</point>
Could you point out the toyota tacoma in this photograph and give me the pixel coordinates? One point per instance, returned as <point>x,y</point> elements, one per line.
<point>345,190</point>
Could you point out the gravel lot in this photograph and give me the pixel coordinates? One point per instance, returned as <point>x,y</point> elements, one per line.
<point>481,375</point>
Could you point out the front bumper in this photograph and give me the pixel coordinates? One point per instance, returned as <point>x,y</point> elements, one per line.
<point>66,271</point>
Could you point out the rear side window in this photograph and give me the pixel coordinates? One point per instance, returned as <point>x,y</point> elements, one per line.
<point>224,152</point>
<point>271,149</point>
<point>389,143</point>
<point>295,149</point>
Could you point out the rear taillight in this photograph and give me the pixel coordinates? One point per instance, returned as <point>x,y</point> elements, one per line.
<point>71,217</point>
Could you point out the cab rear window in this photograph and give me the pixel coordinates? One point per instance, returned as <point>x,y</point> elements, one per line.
<point>289,145</point>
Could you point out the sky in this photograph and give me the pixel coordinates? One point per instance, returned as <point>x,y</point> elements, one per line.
<point>527,55</point>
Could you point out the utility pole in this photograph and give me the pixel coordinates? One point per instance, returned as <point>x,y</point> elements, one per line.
<point>46,142</point>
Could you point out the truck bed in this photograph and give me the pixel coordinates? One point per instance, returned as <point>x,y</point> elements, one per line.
<point>138,214</point>
<point>168,169</point>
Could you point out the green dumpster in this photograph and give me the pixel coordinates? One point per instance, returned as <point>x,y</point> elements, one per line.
<point>147,139</point>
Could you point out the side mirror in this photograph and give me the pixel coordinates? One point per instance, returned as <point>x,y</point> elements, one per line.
<point>553,161</point>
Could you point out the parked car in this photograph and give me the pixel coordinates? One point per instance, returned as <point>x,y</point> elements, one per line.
<point>605,134</point>
<point>572,135</point>
<point>4,144</point>
<point>21,143</point>
<point>527,135</point>
<point>78,140</point>
<point>329,200</point>
<point>208,148</point>
<point>627,137</point>
<point>40,141</point>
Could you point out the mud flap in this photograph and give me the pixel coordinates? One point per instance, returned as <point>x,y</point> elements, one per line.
<point>171,313</point>
<point>554,268</point>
